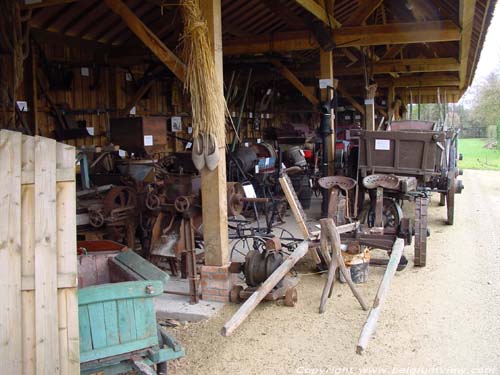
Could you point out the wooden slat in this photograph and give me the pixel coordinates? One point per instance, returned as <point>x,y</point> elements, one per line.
<point>28,256</point>
<point>46,306</point>
<point>10,253</point>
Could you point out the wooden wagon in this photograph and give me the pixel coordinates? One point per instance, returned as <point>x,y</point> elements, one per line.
<point>419,160</point>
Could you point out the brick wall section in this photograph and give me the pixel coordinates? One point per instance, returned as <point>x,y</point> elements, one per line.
<point>216,283</point>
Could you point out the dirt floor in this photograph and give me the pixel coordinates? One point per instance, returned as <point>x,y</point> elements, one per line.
<point>441,319</point>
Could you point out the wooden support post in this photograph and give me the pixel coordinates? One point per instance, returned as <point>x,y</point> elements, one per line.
<point>213,183</point>
<point>391,96</point>
<point>370,107</point>
<point>326,72</point>
<point>251,303</point>
<point>30,86</point>
<point>148,38</point>
<point>383,289</point>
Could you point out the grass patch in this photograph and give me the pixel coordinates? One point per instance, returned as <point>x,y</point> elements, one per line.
<point>476,156</point>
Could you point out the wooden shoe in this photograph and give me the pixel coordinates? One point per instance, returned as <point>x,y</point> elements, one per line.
<point>197,153</point>
<point>211,151</point>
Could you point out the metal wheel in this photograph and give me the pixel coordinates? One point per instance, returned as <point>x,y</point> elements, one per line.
<point>421,204</point>
<point>243,245</point>
<point>291,297</point>
<point>391,214</point>
<point>450,202</point>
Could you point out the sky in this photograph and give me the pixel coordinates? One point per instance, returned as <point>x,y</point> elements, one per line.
<point>489,60</point>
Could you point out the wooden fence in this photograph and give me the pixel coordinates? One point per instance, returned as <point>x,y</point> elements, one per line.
<point>38,264</point>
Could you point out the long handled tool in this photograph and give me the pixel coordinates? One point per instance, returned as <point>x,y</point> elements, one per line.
<point>264,289</point>
<point>383,289</point>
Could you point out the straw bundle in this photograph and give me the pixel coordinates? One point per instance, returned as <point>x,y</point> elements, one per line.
<point>207,99</point>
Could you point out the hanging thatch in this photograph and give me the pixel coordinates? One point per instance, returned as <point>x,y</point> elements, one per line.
<point>207,99</point>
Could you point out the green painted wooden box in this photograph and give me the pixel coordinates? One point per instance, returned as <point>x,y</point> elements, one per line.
<point>117,321</point>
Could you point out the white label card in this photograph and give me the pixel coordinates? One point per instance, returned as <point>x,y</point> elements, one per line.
<point>189,145</point>
<point>325,82</point>
<point>22,105</point>
<point>249,191</point>
<point>382,144</point>
<point>90,130</point>
<point>148,140</point>
<point>84,71</point>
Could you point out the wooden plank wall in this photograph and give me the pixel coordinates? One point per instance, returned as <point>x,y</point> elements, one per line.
<point>166,98</point>
<point>39,319</point>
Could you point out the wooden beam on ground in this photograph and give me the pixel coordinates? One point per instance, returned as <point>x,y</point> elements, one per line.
<point>319,12</point>
<point>45,3</point>
<point>392,33</point>
<point>151,41</point>
<point>362,12</point>
<point>447,64</point>
<point>285,72</point>
<point>350,99</point>
<point>467,11</point>
<point>213,183</point>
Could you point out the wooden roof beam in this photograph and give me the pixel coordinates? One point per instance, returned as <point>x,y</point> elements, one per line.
<point>441,80</point>
<point>362,12</point>
<point>45,3</point>
<point>404,66</point>
<point>292,78</point>
<point>466,16</point>
<point>345,94</point>
<point>319,12</point>
<point>395,33</point>
<point>151,41</point>
<point>393,51</point>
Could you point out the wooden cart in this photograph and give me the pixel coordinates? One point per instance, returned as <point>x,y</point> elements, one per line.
<point>118,330</point>
<point>413,150</point>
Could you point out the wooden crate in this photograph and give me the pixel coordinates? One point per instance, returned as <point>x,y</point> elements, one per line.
<point>39,312</point>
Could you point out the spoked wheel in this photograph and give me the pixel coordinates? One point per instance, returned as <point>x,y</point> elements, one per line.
<point>450,201</point>
<point>242,246</point>
<point>421,204</point>
<point>391,214</point>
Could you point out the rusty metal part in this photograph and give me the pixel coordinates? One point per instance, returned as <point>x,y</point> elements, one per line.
<point>192,273</point>
<point>390,214</point>
<point>182,204</point>
<point>235,195</point>
<point>342,182</point>
<point>258,266</point>
<point>96,218</point>
<point>291,297</point>
<point>386,181</point>
<point>273,244</point>
<point>421,204</point>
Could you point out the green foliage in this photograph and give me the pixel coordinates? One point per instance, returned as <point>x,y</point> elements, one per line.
<point>498,133</point>
<point>477,156</point>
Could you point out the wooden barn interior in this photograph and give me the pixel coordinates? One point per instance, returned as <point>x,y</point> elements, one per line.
<point>108,77</point>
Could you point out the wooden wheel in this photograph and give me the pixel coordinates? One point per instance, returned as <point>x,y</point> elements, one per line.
<point>442,199</point>
<point>291,297</point>
<point>420,246</point>
<point>450,201</point>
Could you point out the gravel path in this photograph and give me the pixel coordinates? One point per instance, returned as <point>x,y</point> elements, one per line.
<point>441,319</point>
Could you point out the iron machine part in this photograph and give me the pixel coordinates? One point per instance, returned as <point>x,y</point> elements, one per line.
<point>260,265</point>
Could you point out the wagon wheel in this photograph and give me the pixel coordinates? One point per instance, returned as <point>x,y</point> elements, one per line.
<point>391,214</point>
<point>421,204</point>
<point>442,199</point>
<point>450,201</point>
